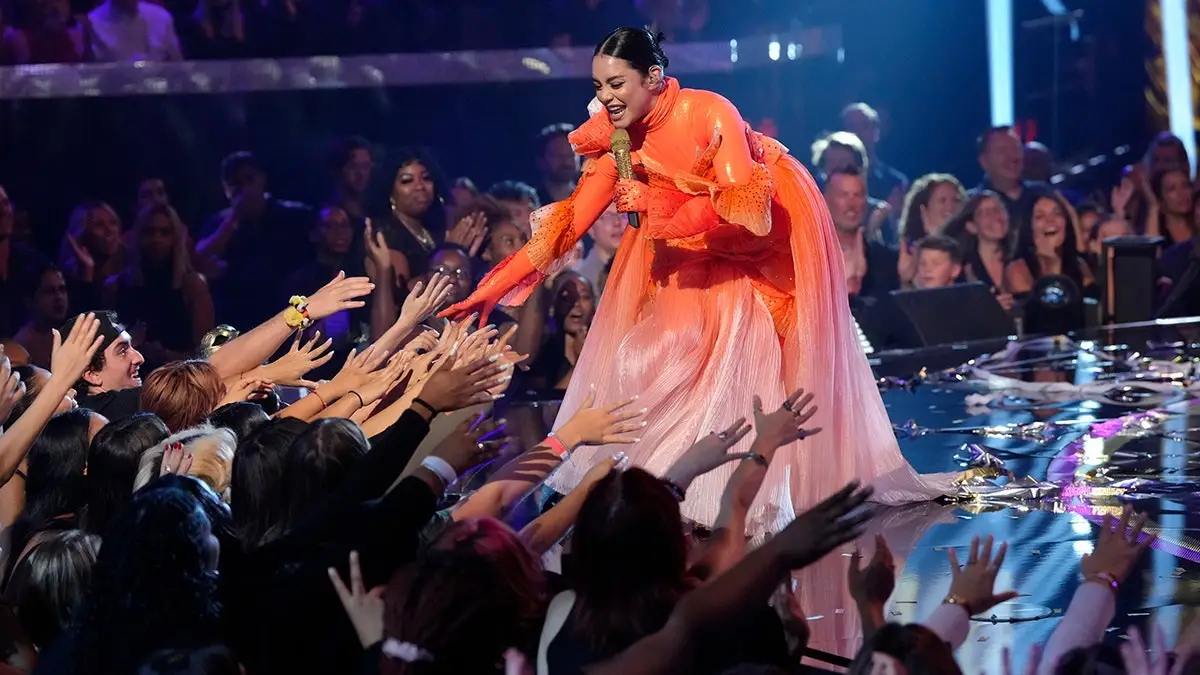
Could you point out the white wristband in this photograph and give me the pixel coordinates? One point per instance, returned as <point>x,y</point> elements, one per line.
<point>441,468</point>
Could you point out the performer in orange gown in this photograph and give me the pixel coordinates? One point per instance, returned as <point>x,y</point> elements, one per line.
<point>731,287</point>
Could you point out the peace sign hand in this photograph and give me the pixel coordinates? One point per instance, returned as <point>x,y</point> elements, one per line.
<point>365,608</point>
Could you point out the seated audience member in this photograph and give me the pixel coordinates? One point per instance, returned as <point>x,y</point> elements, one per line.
<point>159,289</point>
<point>871,268</point>
<point>1176,215</point>
<point>1105,226</point>
<point>520,199</point>
<point>415,223</point>
<point>939,262</point>
<point>933,199</point>
<point>1047,246</point>
<point>1002,158</point>
<point>606,236</point>
<point>15,259</point>
<point>46,300</point>
<point>332,238</point>
<point>44,31</point>
<point>350,164</point>
<point>558,165</point>
<point>982,230</point>
<point>248,249</point>
<point>886,182</point>
<point>131,30</point>
<point>462,191</point>
<point>842,150</point>
<point>91,251</point>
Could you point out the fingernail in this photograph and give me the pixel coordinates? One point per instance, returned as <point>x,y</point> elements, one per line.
<point>493,358</point>
<point>644,424</point>
<point>637,440</point>
<point>644,411</point>
<point>501,422</point>
<point>497,397</point>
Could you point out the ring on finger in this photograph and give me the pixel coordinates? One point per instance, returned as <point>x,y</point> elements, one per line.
<point>787,405</point>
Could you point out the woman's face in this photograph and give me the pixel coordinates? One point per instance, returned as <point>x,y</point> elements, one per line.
<point>943,203</point>
<point>575,304</point>
<point>505,239</point>
<point>454,265</point>
<point>625,93</point>
<point>102,232</point>
<point>1049,225</point>
<point>1177,194</point>
<point>412,190</point>
<point>158,239</point>
<point>1168,154</point>
<point>991,220</point>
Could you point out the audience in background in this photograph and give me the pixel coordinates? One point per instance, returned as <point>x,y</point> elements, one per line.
<point>885,183</point>
<point>939,262</point>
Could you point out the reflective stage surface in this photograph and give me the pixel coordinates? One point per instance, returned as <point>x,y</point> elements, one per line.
<point>1052,434</point>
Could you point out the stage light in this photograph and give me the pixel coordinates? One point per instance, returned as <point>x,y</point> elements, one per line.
<point>733,51</point>
<point>1000,60</point>
<point>1179,74</point>
<point>773,49</point>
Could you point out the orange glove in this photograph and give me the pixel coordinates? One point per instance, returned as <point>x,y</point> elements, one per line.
<point>498,283</point>
<point>632,196</point>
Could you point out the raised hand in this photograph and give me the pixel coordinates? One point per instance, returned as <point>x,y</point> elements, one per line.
<point>873,585</point>
<point>425,299</point>
<point>823,528</point>
<point>786,424</point>
<point>1117,548</point>
<point>378,252</point>
<point>425,340</point>
<point>245,388</point>
<point>289,369</point>
<point>365,608</point>
<point>356,371</point>
<point>469,233</point>
<point>1136,659</point>
<point>481,303</point>
<point>70,357</point>
<point>1122,193</point>
<point>338,295</point>
<point>175,460</point>
<point>973,584</point>
<point>87,264</point>
<point>708,453</point>
<point>380,382</point>
<point>472,443</point>
<point>602,425</point>
<point>453,389</point>
<point>474,346</point>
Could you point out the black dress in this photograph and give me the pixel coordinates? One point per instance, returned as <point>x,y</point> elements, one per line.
<point>400,239</point>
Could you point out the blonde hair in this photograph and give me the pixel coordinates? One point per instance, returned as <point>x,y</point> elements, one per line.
<point>212,450</point>
<point>181,261</point>
<point>76,226</point>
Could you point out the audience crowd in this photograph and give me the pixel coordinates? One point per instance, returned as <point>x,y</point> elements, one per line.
<point>73,31</point>
<point>203,469</point>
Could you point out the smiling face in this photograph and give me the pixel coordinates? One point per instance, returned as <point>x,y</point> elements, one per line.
<point>625,93</point>
<point>1176,194</point>
<point>1004,157</point>
<point>1049,226</point>
<point>990,222</point>
<point>847,198</point>
<point>122,364</point>
<point>944,202</point>
<point>412,190</point>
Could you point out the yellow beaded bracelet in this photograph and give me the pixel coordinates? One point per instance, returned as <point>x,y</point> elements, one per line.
<point>296,315</point>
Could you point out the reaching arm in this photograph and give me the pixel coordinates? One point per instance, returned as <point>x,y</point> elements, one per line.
<point>560,226</point>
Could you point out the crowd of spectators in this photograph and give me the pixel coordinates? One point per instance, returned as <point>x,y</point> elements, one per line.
<point>247,442</point>
<point>72,31</point>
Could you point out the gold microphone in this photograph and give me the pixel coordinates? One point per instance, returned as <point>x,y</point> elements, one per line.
<point>620,147</point>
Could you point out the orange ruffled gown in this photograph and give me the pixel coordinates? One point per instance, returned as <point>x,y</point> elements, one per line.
<point>732,287</point>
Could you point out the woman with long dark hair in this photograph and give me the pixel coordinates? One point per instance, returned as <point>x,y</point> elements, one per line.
<point>112,465</point>
<point>154,586</point>
<point>255,487</point>
<point>1047,247</point>
<point>981,229</point>
<point>732,286</point>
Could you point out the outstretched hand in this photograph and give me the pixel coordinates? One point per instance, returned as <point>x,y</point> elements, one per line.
<point>602,425</point>
<point>973,584</point>
<point>482,302</point>
<point>709,453</point>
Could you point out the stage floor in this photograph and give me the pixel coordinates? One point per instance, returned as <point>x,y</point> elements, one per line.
<point>1054,434</point>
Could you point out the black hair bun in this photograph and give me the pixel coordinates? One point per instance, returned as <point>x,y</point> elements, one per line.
<point>657,37</point>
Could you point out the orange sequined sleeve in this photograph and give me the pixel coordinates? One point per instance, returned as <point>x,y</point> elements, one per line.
<point>737,187</point>
<point>557,228</point>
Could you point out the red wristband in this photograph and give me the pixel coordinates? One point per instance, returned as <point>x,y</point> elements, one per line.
<point>556,445</point>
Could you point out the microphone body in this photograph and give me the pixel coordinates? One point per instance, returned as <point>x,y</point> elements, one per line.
<point>621,146</point>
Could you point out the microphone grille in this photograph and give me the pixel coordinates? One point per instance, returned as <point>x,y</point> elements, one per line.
<point>620,138</point>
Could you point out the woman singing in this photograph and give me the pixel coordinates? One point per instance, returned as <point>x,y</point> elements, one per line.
<point>731,288</point>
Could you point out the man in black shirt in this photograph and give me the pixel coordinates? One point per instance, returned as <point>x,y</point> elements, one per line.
<point>112,383</point>
<point>253,245</point>
<point>1002,158</point>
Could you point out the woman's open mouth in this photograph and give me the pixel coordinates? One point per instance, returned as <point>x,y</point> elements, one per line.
<point>616,111</point>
